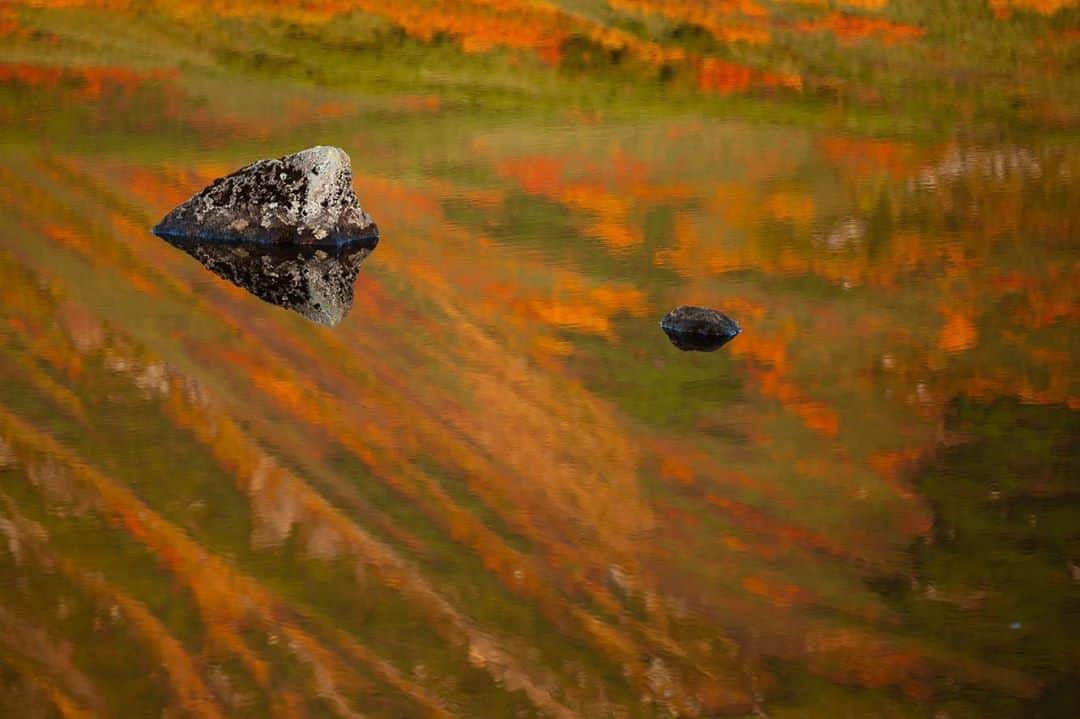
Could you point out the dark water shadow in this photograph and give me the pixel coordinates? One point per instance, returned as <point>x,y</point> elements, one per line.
<point>690,342</point>
<point>315,282</point>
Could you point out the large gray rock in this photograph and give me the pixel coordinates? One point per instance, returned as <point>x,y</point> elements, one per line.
<point>306,198</point>
<point>315,282</point>
<point>699,328</point>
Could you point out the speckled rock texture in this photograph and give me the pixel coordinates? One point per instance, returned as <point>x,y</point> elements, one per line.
<point>699,328</point>
<point>315,282</point>
<point>304,199</point>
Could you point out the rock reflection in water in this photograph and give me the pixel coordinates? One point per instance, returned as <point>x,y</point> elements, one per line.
<point>314,282</point>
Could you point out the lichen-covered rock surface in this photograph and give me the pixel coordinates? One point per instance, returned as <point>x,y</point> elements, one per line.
<point>306,198</point>
<point>699,328</point>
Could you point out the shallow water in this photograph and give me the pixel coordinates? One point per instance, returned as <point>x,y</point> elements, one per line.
<point>495,488</point>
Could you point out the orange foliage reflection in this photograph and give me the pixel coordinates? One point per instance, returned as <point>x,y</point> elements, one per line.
<point>499,445</point>
<point>854,28</point>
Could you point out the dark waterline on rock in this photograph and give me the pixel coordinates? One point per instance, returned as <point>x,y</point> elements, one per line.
<point>276,238</point>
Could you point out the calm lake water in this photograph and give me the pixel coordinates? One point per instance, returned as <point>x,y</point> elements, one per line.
<point>494,488</point>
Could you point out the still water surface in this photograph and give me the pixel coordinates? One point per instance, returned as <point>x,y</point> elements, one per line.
<point>495,488</point>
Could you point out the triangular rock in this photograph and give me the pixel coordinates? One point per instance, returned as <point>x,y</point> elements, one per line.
<point>306,198</point>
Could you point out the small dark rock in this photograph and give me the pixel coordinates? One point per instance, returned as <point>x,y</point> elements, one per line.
<point>302,199</point>
<point>699,328</point>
